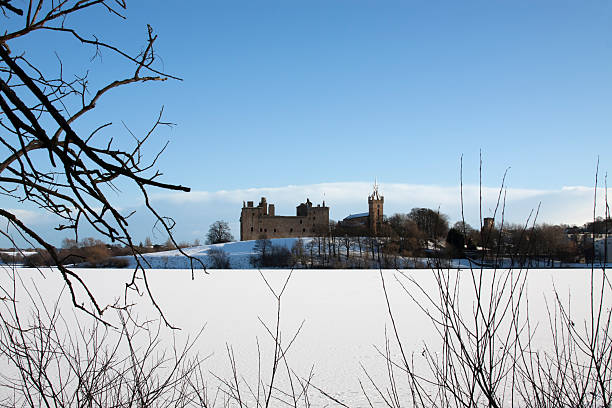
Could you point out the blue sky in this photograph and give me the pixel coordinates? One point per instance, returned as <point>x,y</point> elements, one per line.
<point>279,93</point>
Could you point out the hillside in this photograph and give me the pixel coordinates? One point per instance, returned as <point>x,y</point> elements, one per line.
<point>239,254</point>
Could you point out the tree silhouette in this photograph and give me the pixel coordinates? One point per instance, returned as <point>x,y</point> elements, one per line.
<point>45,160</point>
<point>218,233</point>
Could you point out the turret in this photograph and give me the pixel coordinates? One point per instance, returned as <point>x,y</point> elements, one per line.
<point>375,210</point>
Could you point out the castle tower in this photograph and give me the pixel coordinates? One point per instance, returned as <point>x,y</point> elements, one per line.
<point>375,210</point>
<point>488,224</point>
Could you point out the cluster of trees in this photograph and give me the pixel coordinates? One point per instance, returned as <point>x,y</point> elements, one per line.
<point>88,252</point>
<point>425,232</point>
<point>268,255</point>
<point>329,252</point>
<point>541,244</point>
<point>406,239</point>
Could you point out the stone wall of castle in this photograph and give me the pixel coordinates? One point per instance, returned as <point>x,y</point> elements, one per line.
<point>262,221</point>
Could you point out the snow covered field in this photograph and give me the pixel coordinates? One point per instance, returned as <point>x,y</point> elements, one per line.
<point>343,312</point>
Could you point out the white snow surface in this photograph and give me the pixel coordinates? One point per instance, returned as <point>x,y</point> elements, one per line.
<point>19,253</point>
<point>344,314</point>
<point>239,254</point>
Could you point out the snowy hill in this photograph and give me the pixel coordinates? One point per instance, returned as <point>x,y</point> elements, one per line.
<point>239,254</point>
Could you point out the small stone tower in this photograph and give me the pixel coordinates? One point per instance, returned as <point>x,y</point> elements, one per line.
<point>375,211</point>
<point>487,225</point>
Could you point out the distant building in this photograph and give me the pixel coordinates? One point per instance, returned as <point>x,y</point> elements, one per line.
<point>262,222</point>
<point>372,220</point>
<point>488,224</point>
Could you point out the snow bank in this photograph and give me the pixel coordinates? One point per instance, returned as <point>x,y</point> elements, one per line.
<point>239,254</point>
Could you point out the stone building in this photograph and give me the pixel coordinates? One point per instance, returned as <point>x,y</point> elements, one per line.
<point>262,222</point>
<point>372,220</point>
<point>488,224</point>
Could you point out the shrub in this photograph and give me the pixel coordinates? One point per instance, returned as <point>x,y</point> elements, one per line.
<point>277,257</point>
<point>113,263</point>
<point>40,258</point>
<point>218,259</point>
<point>12,258</point>
<point>268,255</point>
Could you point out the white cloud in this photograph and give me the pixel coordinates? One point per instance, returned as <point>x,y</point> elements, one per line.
<point>29,217</point>
<point>194,212</point>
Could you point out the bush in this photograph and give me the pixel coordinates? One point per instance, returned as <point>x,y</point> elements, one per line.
<point>90,253</point>
<point>97,255</point>
<point>268,255</point>
<point>113,263</point>
<point>218,259</point>
<point>12,258</point>
<point>41,258</point>
<point>277,257</point>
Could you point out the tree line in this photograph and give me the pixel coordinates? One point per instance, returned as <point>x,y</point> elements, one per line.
<point>404,240</point>
<point>88,252</point>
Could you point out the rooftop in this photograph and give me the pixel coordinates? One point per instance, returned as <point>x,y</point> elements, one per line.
<point>350,217</point>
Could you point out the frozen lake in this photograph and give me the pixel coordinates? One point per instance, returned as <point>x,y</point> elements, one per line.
<point>344,315</point>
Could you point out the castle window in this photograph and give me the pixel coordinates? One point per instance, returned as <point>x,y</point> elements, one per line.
<point>290,229</point>
<point>274,229</point>
<point>260,230</point>
<point>251,229</point>
<point>303,229</point>
<point>300,221</point>
<point>265,230</point>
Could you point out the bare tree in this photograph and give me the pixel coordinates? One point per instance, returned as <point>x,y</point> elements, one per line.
<point>45,160</point>
<point>485,351</point>
<point>432,223</point>
<point>218,233</point>
<point>53,358</point>
<point>219,259</point>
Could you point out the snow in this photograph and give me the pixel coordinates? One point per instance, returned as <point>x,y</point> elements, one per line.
<point>19,253</point>
<point>345,315</point>
<point>239,254</point>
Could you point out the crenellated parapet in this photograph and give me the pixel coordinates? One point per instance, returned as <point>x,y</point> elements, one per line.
<point>262,222</point>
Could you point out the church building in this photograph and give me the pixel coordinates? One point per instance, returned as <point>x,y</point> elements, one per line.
<point>372,220</point>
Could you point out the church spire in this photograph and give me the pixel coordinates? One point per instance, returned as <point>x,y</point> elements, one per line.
<point>375,193</point>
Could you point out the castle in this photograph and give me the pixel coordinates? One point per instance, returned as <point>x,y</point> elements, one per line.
<point>262,222</point>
